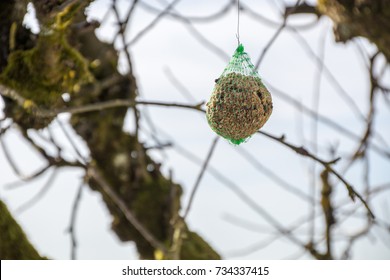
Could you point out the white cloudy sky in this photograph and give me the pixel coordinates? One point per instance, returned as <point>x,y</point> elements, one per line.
<point>171,47</point>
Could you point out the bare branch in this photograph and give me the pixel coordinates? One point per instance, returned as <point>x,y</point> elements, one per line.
<point>128,16</point>
<point>271,23</point>
<point>199,178</point>
<point>151,24</point>
<point>327,164</point>
<point>277,33</point>
<point>72,225</point>
<point>203,40</point>
<point>273,176</point>
<point>115,103</point>
<point>72,142</point>
<point>302,8</point>
<point>12,94</point>
<point>15,167</point>
<point>198,19</point>
<point>40,194</point>
<point>332,79</point>
<point>364,141</point>
<point>323,119</point>
<point>118,103</point>
<point>27,178</point>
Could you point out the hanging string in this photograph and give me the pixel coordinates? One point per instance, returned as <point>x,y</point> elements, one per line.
<point>238,22</point>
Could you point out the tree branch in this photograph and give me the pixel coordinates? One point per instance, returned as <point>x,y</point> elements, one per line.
<point>327,164</point>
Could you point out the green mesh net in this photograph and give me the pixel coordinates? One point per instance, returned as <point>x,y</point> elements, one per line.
<point>240,104</point>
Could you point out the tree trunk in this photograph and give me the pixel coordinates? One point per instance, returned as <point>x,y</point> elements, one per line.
<point>71,59</point>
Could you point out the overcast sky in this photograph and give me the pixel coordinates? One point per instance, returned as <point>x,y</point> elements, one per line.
<point>171,48</point>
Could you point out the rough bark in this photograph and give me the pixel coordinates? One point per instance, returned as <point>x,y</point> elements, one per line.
<point>365,18</point>
<point>72,59</point>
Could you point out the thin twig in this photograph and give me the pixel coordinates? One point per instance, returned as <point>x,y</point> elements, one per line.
<point>276,34</point>
<point>198,19</point>
<point>200,176</point>
<point>327,164</point>
<point>41,112</point>
<point>72,226</point>
<point>15,167</point>
<point>39,195</point>
<point>11,161</point>
<point>28,178</point>
<point>269,44</point>
<point>331,78</point>
<point>129,14</point>
<point>151,24</point>
<point>210,45</point>
<point>311,53</point>
<point>273,24</point>
<point>273,176</point>
<point>71,142</point>
<point>323,119</point>
<point>364,141</point>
